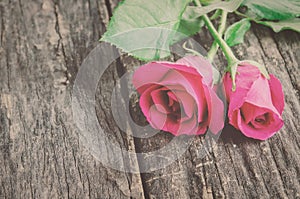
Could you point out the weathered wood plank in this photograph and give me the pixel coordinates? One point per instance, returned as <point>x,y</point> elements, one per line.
<point>42,46</point>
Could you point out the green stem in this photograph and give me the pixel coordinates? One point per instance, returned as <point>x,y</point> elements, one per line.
<point>216,14</point>
<point>214,48</point>
<point>226,49</point>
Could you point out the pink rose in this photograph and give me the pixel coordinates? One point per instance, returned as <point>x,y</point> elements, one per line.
<point>178,97</point>
<point>255,107</point>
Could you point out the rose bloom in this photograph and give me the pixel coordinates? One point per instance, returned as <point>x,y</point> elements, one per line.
<point>255,107</point>
<point>178,97</point>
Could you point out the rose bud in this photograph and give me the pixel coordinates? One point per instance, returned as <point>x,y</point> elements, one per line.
<point>178,97</point>
<point>256,103</point>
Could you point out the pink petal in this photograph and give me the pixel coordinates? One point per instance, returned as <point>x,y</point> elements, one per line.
<point>276,93</point>
<point>157,118</point>
<point>250,112</point>
<point>245,77</point>
<point>188,127</point>
<point>216,112</point>
<point>150,73</point>
<point>172,96</point>
<point>260,95</point>
<point>159,97</point>
<point>192,85</point>
<point>261,134</point>
<point>171,126</point>
<point>187,102</point>
<point>202,65</point>
<point>146,101</point>
<point>266,120</point>
<point>233,119</point>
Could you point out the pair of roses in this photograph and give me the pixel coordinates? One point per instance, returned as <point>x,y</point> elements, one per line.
<point>180,98</point>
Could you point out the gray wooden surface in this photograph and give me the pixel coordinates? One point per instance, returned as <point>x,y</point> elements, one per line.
<point>42,45</point>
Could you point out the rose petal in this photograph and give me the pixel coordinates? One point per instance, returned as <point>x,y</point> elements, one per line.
<point>148,74</point>
<point>244,79</point>
<point>187,102</point>
<point>276,93</point>
<point>157,118</point>
<point>188,126</point>
<point>202,65</point>
<point>261,134</point>
<point>146,101</point>
<point>216,113</point>
<point>233,119</point>
<point>171,101</point>
<point>192,85</point>
<point>172,96</point>
<point>250,112</point>
<point>266,119</point>
<point>160,96</point>
<point>260,96</point>
<point>171,126</point>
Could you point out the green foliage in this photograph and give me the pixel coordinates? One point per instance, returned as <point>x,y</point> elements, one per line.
<point>235,33</point>
<point>274,9</point>
<point>228,6</point>
<point>207,2</point>
<point>189,25</point>
<point>146,29</point>
<point>277,14</point>
<point>292,24</point>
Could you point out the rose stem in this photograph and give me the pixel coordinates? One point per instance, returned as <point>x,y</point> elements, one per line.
<point>232,60</point>
<point>214,48</point>
<point>216,14</point>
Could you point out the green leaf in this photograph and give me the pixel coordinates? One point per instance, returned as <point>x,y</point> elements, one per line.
<point>228,6</point>
<point>146,29</point>
<point>207,2</point>
<point>292,24</point>
<point>189,25</point>
<point>235,33</point>
<point>274,9</point>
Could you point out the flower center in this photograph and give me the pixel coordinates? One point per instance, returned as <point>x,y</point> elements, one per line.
<point>174,105</point>
<point>262,119</point>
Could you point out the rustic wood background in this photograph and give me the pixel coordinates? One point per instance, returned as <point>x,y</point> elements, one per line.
<point>42,45</point>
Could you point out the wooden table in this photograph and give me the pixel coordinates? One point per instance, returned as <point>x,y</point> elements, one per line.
<point>42,45</point>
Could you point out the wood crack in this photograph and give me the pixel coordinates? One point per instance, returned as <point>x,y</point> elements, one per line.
<point>89,185</point>
<point>60,40</point>
<point>108,7</point>
<point>8,70</point>
<point>2,26</point>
